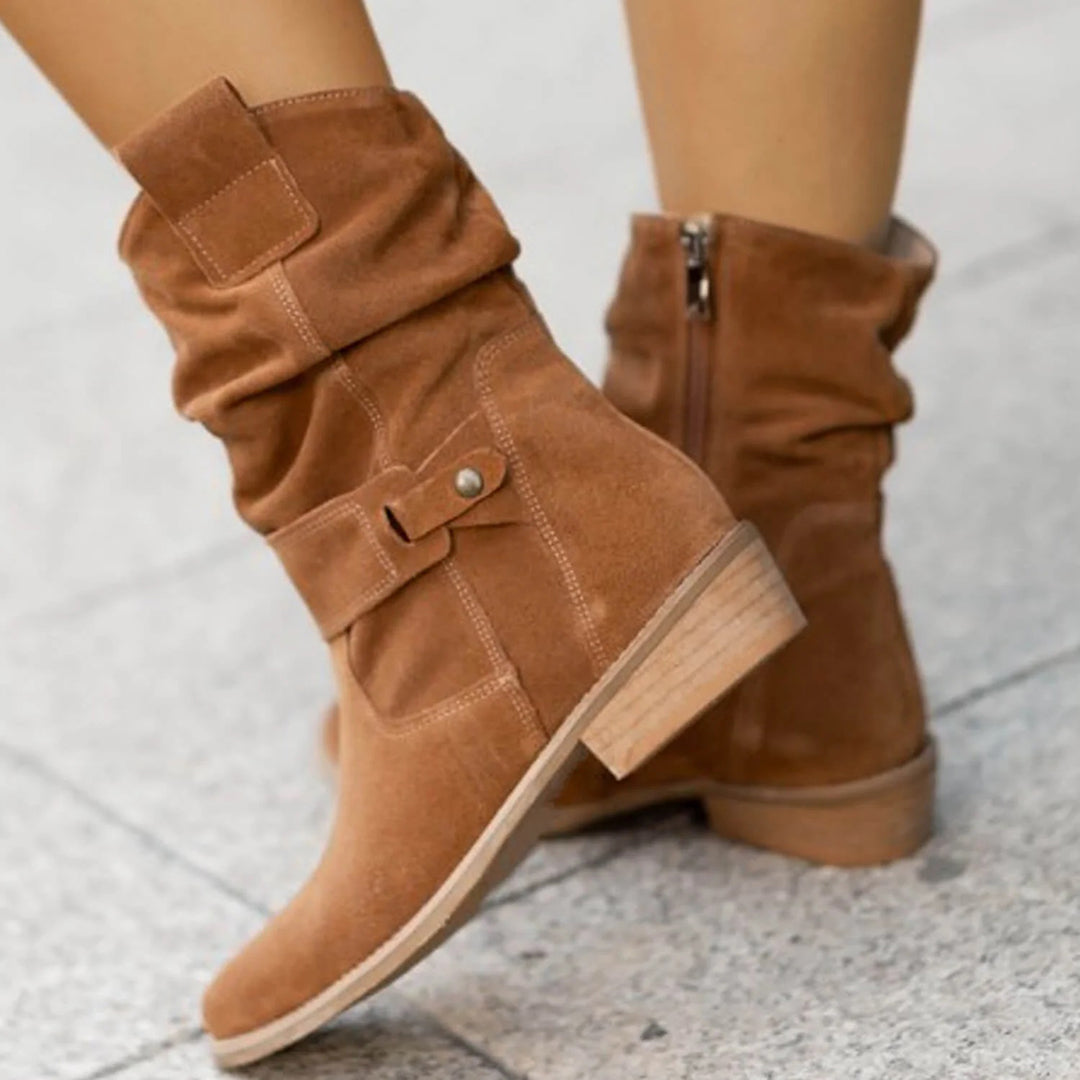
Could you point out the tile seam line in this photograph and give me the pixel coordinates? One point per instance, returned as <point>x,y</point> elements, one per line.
<point>462,1042</point>
<point>1003,683</point>
<point>149,1052</point>
<point>31,763</point>
<point>595,862</point>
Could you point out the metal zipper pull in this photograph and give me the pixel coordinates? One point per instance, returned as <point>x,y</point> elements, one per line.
<point>694,236</point>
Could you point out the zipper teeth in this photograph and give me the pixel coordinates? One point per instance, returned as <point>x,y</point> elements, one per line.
<point>695,236</point>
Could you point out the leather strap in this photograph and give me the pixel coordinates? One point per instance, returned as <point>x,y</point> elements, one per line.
<point>208,167</point>
<point>440,499</point>
<point>348,555</point>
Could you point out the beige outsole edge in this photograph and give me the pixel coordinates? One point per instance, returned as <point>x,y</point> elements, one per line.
<point>848,802</point>
<point>623,744</point>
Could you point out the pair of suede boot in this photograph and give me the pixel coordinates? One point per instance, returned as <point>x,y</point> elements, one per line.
<point>506,569</point>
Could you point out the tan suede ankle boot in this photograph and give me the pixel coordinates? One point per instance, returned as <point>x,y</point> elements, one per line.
<point>503,567</point>
<point>764,353</point>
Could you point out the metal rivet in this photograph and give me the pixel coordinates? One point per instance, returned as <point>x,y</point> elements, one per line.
<point>468,483</point>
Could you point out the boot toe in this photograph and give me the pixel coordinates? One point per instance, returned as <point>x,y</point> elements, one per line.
<point>291,960</point>
<point>247,993</point>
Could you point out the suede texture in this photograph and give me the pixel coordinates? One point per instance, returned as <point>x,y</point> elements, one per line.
<point>802,400</point>
<point>353,354</point>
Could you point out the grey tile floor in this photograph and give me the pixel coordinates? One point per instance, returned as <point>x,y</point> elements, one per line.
<point>159,790</point>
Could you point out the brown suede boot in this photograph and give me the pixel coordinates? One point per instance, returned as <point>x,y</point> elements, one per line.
<point>764,353</point>
<point>503,567</point>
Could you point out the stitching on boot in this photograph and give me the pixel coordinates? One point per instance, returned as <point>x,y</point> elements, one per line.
<point>224,276</point>
<point>547,532</point>
<point>391,571</point>
<point>496,656</point>
<point>482,626</point>
<point>325,95</point>
<point>289,301</point>
<point>199,207</point>
<point>366,401</point>
<point>438,449</point>
<point>502,680</point>
<point>350,509</point>
<point>281,247</point>
<point>318,521</point>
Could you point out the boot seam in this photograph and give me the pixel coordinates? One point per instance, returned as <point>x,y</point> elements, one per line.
<point>373,92</point>
<point>186,225</point>
<point>548,535</point>
<point>365,399</point>
<point>377,590</point>
<point>301,321</point>
<point>433,454</point>
<point>201,206</point>
<point>498,681</point>
<point>496,656</point>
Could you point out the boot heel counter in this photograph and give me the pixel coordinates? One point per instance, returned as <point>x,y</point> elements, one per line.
<point>843,701</point>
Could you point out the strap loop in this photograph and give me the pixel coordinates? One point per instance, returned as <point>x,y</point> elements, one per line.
<point>449,493</point>
<point>348,555</point>
<point>210,170</point>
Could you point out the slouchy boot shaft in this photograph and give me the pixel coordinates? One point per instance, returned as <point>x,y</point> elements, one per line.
<point>766,354</point>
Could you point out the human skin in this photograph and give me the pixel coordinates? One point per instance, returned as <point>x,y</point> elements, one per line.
<point>791,114</point>
<point>120,63</point>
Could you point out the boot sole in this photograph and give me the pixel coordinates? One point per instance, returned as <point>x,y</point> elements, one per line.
<point>728,615</point>
<point>860,823</point>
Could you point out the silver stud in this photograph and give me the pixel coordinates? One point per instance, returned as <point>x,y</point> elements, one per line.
<point>468,483</point>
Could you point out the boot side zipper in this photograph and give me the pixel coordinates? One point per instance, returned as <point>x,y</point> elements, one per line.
<point>695,237</point>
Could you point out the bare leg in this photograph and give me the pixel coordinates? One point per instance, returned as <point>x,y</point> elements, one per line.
<point>121,62</point>
<point>790,113</point>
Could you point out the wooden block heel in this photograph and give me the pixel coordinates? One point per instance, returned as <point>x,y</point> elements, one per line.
<point>732,612</point>
<point>862,823</point>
